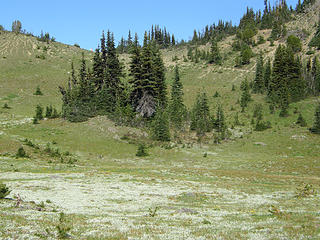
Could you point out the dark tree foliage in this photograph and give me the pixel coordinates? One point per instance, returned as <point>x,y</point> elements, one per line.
<point>160,126</point>
<point>294,43</point>
<point>258,84</point>
<point>177,109</point>
<point>39,112</point>
<point>245,95</point>
<point>267,74</point>
<point>201,120</point>
<point>301,121</point>
<point>93,92</point>
<point>220,123</point>
<point>215,56</point>
<point>287,84</point>
<point>316,125</point>
<point>315,41</point>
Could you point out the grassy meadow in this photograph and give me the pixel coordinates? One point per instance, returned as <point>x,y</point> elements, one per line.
<point>257,185</point>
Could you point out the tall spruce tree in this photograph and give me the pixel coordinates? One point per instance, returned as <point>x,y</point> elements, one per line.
<point>220,123</point>
<point>245,94</point>
<point>258,86</point>
<point>135,73</point>
<point>159,77</point>
<point>316,125</point>
<point>113,69</point>
<point>215,56</point>
<point>177,108</point>
<point>267,74</point>
<point>160,126</point>
<point>201,120</point>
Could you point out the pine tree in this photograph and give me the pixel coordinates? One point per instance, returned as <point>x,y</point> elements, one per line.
<point>38,91</point>
<point>135,73</point>
<point>160,87</point>
<point>215,56</point>
<point>103,51</point>
<point>267,75</point>
<point>258,86</point>
<point>245,95</point>
<point>316,125</point>
<point>39,112</point>
<point>113,69</point>
<point>97,70</point>
<point>201,120</point>
<point>220,124</point>
<point>160,126</point>
<point>177,108</point>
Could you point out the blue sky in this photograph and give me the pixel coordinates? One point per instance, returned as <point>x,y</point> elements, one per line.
<point>82,22</point>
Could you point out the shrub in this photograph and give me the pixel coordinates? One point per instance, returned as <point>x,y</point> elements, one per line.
<point>142,152</point>
<point>63,227</point>
<point>301,121</point>
<point>21,153</point>
<point>294,43</point>
<point>6,106</point>
<point>39,112</point>
<point>4,191</point>
<point>38,92</point>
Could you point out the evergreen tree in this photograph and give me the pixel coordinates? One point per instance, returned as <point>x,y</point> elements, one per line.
<point>201,120</point>
<point>220,124</point>
<point>316,125</point>
<point>142,151</point>
<point>113,69</point>
<point>258,86</point>
<point>38,91</point>
<point>177,108</point>
<point>245,95</point>
<point>39,112</point>
<point>97,70</point>
<point>267,75</point>
<point>215,56</point>
<point>135,73</point>
<point>160,87</point>
<point>160,126</point>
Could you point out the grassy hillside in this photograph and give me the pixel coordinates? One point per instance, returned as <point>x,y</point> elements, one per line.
<point>257,185</point>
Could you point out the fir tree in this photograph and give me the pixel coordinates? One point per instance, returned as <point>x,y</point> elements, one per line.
<point>135,73</point>
<point>39,112</point>
<point>142,152</point>
<point>245,95</point>
<point>201,120</point>
<point>177,108</point>
<point>160,126</point>
<point>113,69</point>
<point>220,124</point>
<point>97,70</point>
<point>258,86</point>
<point>267,75</point>
<point>215,56</point>
<point>159,76</point>
<point>316,125</point>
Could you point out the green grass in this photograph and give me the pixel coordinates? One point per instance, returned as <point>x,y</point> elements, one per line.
<point>108,191</point>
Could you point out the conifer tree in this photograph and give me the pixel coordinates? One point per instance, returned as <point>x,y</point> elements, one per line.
<point>267,75</point>
<point>301,121</point>
<point>177,108</point>
<point>160,126</point>
<point>316,125</point>
<point>39,112</point>
<point>215,56</point>
<point>160,87</point>
<point>258,86</point>
<point>135,73</point>
<point>113,69</point>
<point>220,124</point>
<point>245,95</point>
<point>201,120</point>
<point>103,50</point>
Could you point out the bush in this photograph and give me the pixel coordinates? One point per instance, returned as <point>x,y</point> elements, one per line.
<point>39,112</point>
<point>4,191</point>
<point>6,106</point>
<point>301,121</point>
<point>294,43</point>
<point>63,227</point>
<point>142,152</point>
<point>38,92</point>
<point>21,153</point>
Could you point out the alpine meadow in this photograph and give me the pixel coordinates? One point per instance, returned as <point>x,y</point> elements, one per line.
<point>156,137</point>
